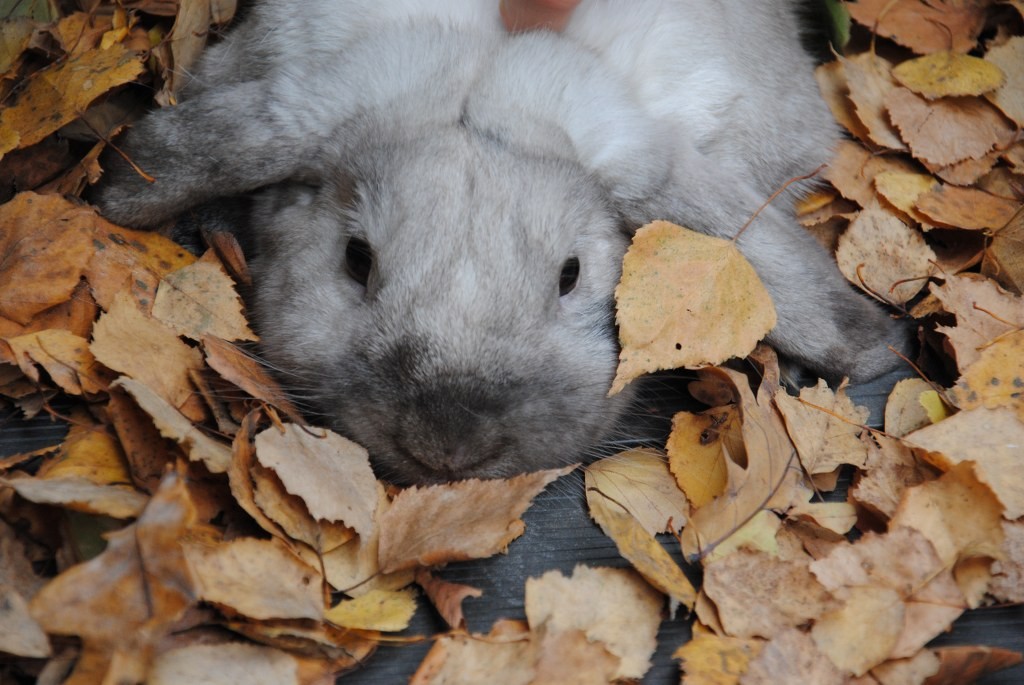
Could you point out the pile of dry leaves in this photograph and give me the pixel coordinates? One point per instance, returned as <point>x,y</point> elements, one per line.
<point>192,523</point>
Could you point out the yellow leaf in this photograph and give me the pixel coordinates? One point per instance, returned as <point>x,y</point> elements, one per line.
<point>639,481</point>
<point>91,453</point>
<point>383,610</point>
<point>996,379</point>
<point>697,451</point>
<point>710,659</point>
<point>60,94</point>
<point>933,405</point>
<point>200,299</point>
<point>686,299</point>
<point>945,74</point>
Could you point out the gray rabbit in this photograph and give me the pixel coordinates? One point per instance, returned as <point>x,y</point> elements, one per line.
<point>437,210</point>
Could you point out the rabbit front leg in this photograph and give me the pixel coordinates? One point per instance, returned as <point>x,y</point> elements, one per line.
<point>219,144</point>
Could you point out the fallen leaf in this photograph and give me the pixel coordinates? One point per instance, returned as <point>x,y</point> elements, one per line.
<point>883,256</point>
<point>910,671</point>
<point>1003,259</point>
<point>639,481</point>
<point>625,620</point>
<point>891,468</point>
<point>569,657</point>
<point>200,299</point>
<point>949,130</point>
<point>991,438</point>
<point>245,370</point>
<point>260,579</point>
<point>127,341</point>
<point>902,188</point>
<point>59,94</point>
<point>504,657</point>
<point>860,634</point>
<point>697,449</point>
<point>853,170</point>
<point>425,526</point>
<point>686,299</point>
<point>331,474</point>
<point>173,425</point>
<point>967,664</point>
<point>1009,98</point>
<point>869,79</point>
<point>233,662</point>
<point>968,208</point>
<point>835,90</point>
<point>922,26</point>
<point>20,635</point>
<point>1008,572</point>
<point>710,659</point>
<point>824,426</point>
<point>80,494</point>
<point>904,412</point>
<point>446,597</point>
<point>947,74</point>
<point>758,595</point>
<point>65,357</point>
<point>43,246</point>
<point>996,378</point>
<point>983,312</point>
<point>791,657</point>
<point>388,611</point>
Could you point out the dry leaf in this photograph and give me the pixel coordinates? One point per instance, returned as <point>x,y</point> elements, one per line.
<point>911,671</point>
<point>825,427</point>
<point>1004,255</point>
<point>697,448</point>
<point>128,341</point>
<point>949,130</point>
<point>80,494</point>
<point>991,438</point>
<point>331,474</point>
<point>245,371</point>
<point>890,470</point>
<point>625,620</point>
<point>968,664</point>
<point>200,299</point>
<point>968,208</point>
<point>757,595</point>
<point>20,635</point>
<point>983,312</point>
<point>852,170</point>
<point>710,659</point>
<point>861,633</point>
<point>686,299</point>
<point>996,378</point>
<point>43,246</point>
<point>639,482</point>
<point>947,74</point>
<point>256,578</point>
<point>173,425</point>
<point>1009,58</point>
<point>65,356</point>
<point>832,83</point>
<point>504,657</point>
<point>883,256</point>
<point>869,79</point>
<point>901,189</point>
<point>791,657</point>
<point>922,26</point>
<point>431,525</point>
<point>376,610</point>
<point>59,94</point>
<point>904,412</point>
<point>233,662</point>
<point>446,597</point>
<point>1008,573</point>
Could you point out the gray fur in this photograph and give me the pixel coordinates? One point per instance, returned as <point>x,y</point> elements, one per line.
<point>475,163</point>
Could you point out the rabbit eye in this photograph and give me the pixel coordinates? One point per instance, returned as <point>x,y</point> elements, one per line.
<point>358,260</point>
<point>569,277</point>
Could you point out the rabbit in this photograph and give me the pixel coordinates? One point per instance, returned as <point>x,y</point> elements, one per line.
<point>436,210</point>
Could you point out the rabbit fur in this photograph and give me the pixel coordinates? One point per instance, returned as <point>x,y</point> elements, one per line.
<point>474,163</point>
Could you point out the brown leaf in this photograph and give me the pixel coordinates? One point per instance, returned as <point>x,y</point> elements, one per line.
<point>757,595</point>
<point>60,93</point>
<point>772,475</point>
<point>860,634</point>
<point>791,657</point>
<point>199,300</point>
<point>43,247</point>
<point>968,664</point>
<point>331,474</point>
<point>949,130</point>
<point>869,79</point>
<point>80,494</point>
<point>1004,255</point>
<point>1008,572</point>
<point>244,370</point>
<point>260,579</point>
<point>446,596</point>
<point>425,526</point>
<point>983,312</point>
<point>173,425</point>
<point>237,662</point>
<point>626,619</point>
<point>710,659</point>
<point>989,437</point>
<point>968,208</point>
<point>853,169</point>
<point>910,671</point>
<point>129,595</point>
<point>675,282</point>
<point>128,341</point>
<point>825,427</point>
<point>832,82</point>
<point>639,482</point>
<point>891,469</point>
<point>384,610</point>
<point>1009,57</point>
<point>883,256</point>
<point>65,356</point>
<point>504,657</point>
<point>20,635</point>
<point>904,412</point>
<point>924,27</point>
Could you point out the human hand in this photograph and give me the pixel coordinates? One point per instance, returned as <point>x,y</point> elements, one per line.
<point>523,15</point>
